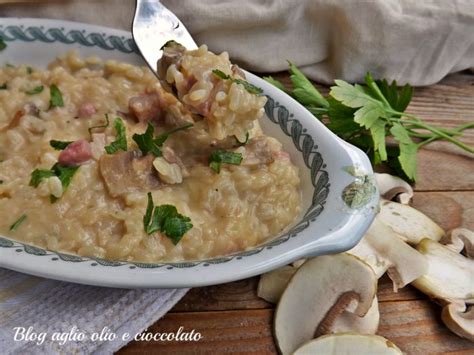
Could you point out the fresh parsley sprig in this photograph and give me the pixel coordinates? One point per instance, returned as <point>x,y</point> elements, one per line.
<point>249,87</point>
<point>147,142</point>
<point>120,142</point>
<point>365,115</point>
<point>165,219</point>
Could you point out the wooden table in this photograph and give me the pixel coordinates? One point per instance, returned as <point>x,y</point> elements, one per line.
<point>233,319</point>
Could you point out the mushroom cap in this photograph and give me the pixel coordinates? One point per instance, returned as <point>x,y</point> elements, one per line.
<point>273,283</point>
<point>393,188</point>
<point>459,318</point>
<point>348,344</point>
<point>408,223</point>
<point>321,289</point>
<point>450,275</point>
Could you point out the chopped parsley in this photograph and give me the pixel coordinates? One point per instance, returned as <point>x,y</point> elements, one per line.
<point>3,45</point>
<point>165,219</point>
<point>56,99</point>
<point>3,87</point>
<point>249,87</point>
<point>222,156</point>
<point>58,145</point>
<point>64,173</point>
<point>29,70</point>
<point>1,182</point>
<point>35,91</point>
<point>19,221</point>
<point>120,143</point>
<point>147,143</point>
<point>105,125</point>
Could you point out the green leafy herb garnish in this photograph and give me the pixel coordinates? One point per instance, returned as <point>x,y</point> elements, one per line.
<point>38,175</point>
<point>64,173</point>
<point>249,87</point>
<point>19,221</point>
<point>239,143</point>
<point>365,115</point>
<point>29,70</point>
<point>120,142</point>
<point>107,123</point>
<point>165,219</point>
<point>3,87</point>
<point>147,143</point>
<point>56,99</point>
<point>3,45</point>
<point>58,145</point>
<point>35,91</point>
<point>222,156</point>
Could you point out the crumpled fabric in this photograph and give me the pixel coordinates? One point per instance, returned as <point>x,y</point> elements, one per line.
<point>416,42</point>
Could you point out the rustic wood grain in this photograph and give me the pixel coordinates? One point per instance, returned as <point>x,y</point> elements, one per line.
<point>233,319</point>
<point>414,326</point>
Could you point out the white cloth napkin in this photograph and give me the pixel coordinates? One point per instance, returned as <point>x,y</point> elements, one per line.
<point>52,306</point>
<point>418,42</point>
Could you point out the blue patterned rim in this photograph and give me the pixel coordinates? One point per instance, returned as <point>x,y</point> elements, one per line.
<point>276,113</point>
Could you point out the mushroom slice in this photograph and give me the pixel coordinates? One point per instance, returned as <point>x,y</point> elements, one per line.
<point>459,318</point>
<point>273,283</point>
<point>448,273</point>
<point>384,251</point>
<point>321,289</point>
<point>459,239</point>
<point>349,343</point>
<point>410,224</point>
<point>393,188</point>
<point>350,322</point>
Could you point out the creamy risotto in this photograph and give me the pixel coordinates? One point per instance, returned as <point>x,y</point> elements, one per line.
<point>99,159</point>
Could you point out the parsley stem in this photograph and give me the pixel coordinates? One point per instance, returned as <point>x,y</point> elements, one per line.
<point>436,131</point>
<point>457,131</point>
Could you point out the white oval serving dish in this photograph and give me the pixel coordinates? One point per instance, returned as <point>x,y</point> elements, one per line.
<point>339,194</point>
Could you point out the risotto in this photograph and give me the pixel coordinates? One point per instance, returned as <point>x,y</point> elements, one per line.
<point>98,158</point>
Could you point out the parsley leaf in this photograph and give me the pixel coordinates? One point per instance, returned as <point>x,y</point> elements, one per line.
<point>222,156</point>
<point>3,45</point>
<point>165,219</point>
<point>58,145</point>
<point>56,99</point>
<point>148,144</point>
<point>3,87</point>
<point>120,142</point>
<point>408,150</point>
<point>35,91</point>
<point>304,91</point>
<point>252,89</point>
<point>275,82</point>
<point>64,173</point>
<point>19,221</point>
<point>38,175</point>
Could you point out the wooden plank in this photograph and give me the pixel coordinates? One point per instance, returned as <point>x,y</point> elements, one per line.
<point>414,326</point>
<point>441,171</point>
<point>448,209</point>
<point>239,332</point>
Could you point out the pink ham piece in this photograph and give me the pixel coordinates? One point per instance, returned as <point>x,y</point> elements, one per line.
<point>86,110</point>
<point>75,153</point>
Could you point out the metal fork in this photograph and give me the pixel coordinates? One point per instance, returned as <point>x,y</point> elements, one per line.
<point>153,25</point>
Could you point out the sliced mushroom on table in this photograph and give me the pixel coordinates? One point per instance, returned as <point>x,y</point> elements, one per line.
<point>348,343</point>
<point>321,289</point>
